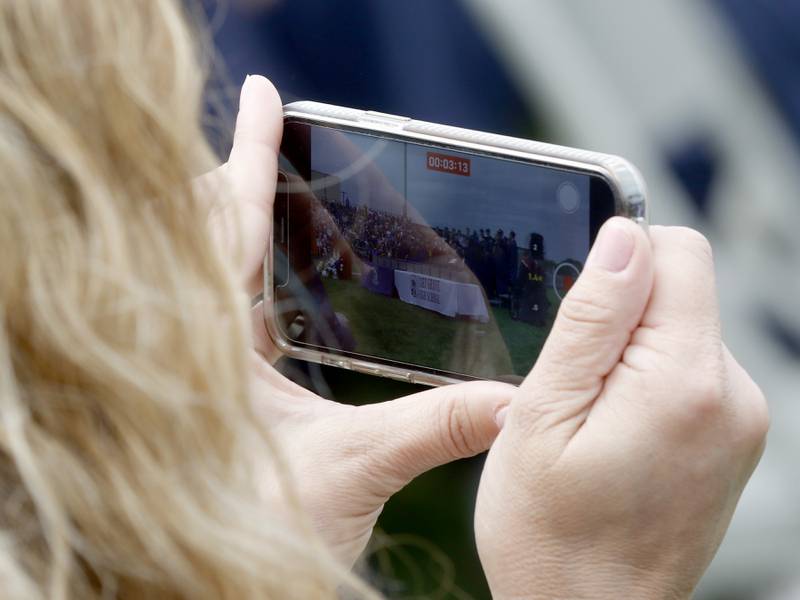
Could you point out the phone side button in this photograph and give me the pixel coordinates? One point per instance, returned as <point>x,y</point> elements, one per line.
<point>372,116</point>
<point>336,362</point>
<point>366,369</point>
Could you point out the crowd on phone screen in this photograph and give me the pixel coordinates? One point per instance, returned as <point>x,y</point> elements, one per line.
<point>492,256</point>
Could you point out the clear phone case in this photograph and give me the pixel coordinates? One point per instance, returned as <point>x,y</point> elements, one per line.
<point>625,180</point>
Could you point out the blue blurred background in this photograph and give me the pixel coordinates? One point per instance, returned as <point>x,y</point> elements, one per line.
<point>702,95</point>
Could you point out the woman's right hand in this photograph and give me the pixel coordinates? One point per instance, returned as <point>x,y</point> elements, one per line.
<point>624,452</point>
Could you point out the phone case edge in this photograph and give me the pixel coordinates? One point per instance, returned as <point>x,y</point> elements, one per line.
<point>628,183</point>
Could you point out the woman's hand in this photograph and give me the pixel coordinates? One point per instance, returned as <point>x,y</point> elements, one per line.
<point>624,452</point>
<point>346,461</point>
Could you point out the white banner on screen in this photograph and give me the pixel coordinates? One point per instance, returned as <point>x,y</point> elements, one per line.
<point>442,295</point>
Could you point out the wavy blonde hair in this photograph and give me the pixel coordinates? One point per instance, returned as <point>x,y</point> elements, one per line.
<point>128,441</point>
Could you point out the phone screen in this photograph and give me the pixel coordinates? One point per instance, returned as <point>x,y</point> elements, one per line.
<point>444,260</point>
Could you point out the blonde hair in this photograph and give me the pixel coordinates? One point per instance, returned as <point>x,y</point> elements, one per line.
<point>129,447</point>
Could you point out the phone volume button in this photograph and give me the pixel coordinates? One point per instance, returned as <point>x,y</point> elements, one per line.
<point>333,361</point>
<point>372,116</point>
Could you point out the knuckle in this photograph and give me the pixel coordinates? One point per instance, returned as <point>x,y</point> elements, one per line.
<point>545,412</point>
<point>581,310</point>
<point>458,430</point>
<point>705,395</point>
<point>757,420</point>
<point>697,244</point>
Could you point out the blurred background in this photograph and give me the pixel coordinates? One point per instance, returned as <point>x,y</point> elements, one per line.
<point>702,95</point>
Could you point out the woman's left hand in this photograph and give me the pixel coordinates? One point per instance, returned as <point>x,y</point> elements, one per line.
<point>346,461</point>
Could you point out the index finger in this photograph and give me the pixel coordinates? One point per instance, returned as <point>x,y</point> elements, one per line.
<point>683,302</point>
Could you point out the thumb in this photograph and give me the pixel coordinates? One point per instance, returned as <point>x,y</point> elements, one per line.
<point>411,435</point>
<point>259,125</point>
<point>591,331</point>
<point>251,173</point>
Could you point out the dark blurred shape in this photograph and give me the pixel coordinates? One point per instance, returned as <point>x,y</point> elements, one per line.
<point>695,162</point>
<point>536,245</point>
<point>767,32</point>
<point>418,58</point>
<point>782,333</point>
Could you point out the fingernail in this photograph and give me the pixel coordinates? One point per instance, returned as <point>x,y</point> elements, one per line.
<point>613,247</point>
<point>500,417</point>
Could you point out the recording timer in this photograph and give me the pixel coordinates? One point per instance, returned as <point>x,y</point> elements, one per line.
<point>449,164</point>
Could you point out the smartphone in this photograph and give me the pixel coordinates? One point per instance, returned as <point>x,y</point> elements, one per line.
<point>429,253</point>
